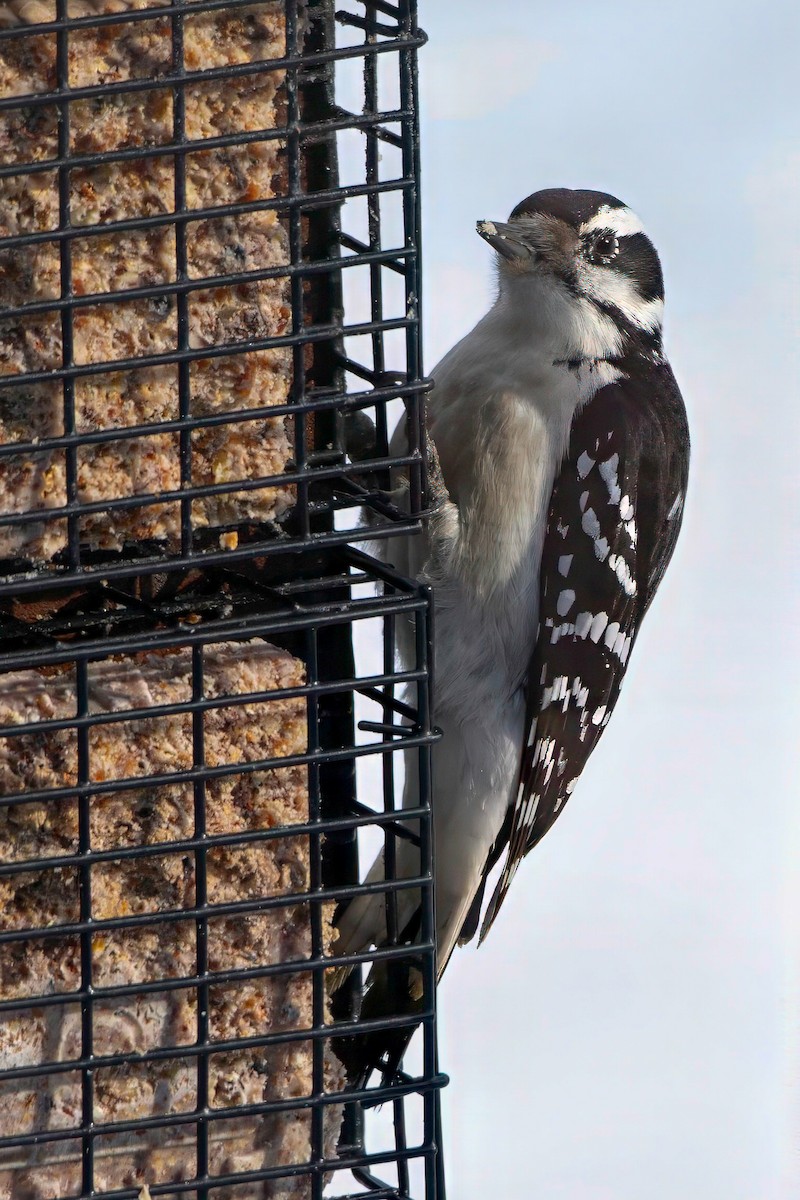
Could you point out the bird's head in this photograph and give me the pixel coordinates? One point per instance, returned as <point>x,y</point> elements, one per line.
<point>583,250</point>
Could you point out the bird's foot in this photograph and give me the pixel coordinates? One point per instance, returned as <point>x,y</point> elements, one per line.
<point>438,494</point>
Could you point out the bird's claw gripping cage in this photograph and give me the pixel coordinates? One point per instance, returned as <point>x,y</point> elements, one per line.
<point>209,265</point>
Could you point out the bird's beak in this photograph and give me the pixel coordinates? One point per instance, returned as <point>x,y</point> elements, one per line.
<point>505,239</point>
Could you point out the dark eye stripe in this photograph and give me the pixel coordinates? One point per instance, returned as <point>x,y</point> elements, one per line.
<point>637,258</point>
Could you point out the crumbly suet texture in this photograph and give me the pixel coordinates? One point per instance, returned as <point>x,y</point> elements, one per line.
<point>144,464</point>
<point>38,967</point>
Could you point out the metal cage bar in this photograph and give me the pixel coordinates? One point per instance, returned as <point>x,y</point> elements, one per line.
<point>313,621</point>
<point>327,484</point>
<point>228,635</point>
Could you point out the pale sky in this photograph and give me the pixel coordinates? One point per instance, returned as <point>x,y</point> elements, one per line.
<point>629,1029</point>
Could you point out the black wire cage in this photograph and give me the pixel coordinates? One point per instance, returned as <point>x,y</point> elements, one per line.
<point>209,280</point>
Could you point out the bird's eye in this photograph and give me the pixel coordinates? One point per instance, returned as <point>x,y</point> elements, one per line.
<point>604,247</point>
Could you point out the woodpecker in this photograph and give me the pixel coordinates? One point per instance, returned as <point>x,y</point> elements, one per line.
<point>564,451</point>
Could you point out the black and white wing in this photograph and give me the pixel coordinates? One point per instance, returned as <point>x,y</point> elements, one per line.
<point>614,518</point>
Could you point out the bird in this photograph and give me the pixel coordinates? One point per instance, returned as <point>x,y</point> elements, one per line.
<point>559,459</point>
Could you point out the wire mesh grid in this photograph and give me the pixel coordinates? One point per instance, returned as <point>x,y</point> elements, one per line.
<point>161,256</point>
<point>178,802</point>
<point>179,377</point>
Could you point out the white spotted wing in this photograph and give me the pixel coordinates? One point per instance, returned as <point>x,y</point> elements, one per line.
<point>613,521</point>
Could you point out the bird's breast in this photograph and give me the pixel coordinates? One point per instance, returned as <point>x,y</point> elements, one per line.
<point>500,415</point>
<point>499,454</point>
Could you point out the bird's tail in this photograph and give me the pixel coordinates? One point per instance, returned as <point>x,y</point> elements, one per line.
<point>469,810</point>
<point>364,922</point>
<point>369,923</point>
<point>395,989</point>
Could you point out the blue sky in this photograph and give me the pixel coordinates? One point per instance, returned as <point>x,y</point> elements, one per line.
<point>628,1029</point>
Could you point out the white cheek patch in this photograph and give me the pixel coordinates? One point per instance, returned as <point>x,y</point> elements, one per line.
<point>592,334</point>
<point>621,221</point>
<point>609,287</point>
<point>606,286</point>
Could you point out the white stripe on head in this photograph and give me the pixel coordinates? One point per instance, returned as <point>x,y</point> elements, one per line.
<point>617,290</point>
<point>620,221</point>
